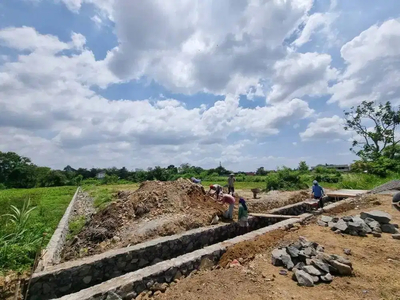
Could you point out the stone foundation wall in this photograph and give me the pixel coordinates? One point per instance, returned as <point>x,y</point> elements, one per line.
<point>130,285</point>
<point>292,209</point>
<point>70,277</point>
<point>53,250</point>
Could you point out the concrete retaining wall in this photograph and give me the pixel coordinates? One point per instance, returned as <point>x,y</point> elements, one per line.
<point>131,284</point>
<point>73,276</point>
<point>51,255</point>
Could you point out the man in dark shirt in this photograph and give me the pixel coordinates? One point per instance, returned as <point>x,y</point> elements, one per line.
<point>317,193</point>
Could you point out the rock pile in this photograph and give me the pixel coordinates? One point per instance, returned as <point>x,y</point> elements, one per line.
<point>374,222</point>
<point>309,263</point>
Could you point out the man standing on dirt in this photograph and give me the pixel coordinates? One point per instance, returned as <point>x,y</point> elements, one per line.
<point>231,183</point>
<point>317,193</point>
<point>217,188</point>
<point>228,199</point>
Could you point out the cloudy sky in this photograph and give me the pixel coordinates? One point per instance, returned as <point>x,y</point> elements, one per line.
<point>247,83</point>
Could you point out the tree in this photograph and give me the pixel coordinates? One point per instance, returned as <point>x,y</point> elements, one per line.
<point>303,167</point>
<point>16,171</point>
<point>261,171</point>
<point>373,141</point>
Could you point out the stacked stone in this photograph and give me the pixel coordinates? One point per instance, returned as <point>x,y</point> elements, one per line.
<point>309,263</point>
<point>373,222</point>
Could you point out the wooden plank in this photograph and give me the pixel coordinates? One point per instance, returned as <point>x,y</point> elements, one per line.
<point>272,216</point>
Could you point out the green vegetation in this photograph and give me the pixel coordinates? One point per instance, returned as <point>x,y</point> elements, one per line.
<point>26,214</point>
<point>75,226</point>
<point>103,194</point>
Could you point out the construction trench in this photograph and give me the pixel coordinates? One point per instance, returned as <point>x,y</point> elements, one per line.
<point>126,272</point>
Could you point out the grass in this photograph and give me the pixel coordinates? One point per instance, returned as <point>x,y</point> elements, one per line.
<point>75,226</point>
<point>18,252</point>
<point>103,194</point>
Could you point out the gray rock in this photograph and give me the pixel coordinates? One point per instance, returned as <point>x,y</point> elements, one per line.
<point>320,248</point>
<point>87,279</point>
<point>321,223</point>
<point>396,236</point>
<point>309,251</point>
<point>347,251</point>
<point>389,228</point>
<point>276,257</point>
<point>335,219</point>
<point>327,278</point>
<point>320,265</point>
<point>341,225</point>
<point>293,252</point>
<point>296,245</point>
<point>312,270</point>
<point>341,268</point>
<point>315,279</point>
<point>341,259</point>
<point>376,234</point>
<point>348,219</point>
<point>326,219</point>
<point>332,225</point>
<point>299,265</point>
<point>353,232</point>
<point>287,260</point>
<point>304,279</point>
<point>378,216</point>
<point>360,223</point>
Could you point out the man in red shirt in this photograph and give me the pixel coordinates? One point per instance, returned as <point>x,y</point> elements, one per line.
<point>228,199</point>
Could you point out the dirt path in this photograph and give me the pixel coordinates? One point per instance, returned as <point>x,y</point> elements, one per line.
<point>376,263</point>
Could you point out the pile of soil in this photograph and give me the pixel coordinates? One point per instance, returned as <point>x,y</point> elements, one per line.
<point>156,209</point>
<point>264,205</point>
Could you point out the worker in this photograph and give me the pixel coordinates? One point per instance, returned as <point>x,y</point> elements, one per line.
<point>228,199</point>
<point>317,193</point>
<point>195,180</point>
<point>396,201</point>
<point>231,184</point>
<point>243,214</point>
<point>217,188</point>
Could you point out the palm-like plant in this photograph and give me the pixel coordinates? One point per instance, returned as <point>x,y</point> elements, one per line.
<point>20,217</point>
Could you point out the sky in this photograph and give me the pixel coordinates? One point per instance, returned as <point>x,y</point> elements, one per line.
<point>246,83</point>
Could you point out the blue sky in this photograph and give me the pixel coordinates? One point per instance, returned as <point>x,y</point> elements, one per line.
<point>137,84</point>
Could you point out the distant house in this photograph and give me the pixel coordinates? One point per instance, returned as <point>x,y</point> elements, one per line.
<point>101,175</point>
<point>340,168</point>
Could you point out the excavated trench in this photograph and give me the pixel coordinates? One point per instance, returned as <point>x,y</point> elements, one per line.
<point>89,273</point>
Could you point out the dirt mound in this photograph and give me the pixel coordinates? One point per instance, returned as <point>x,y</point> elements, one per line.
<point>259,206</point>
<point>155,209</point>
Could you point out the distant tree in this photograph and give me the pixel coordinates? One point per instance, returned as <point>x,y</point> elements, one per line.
<point>303,167</point>
<point>372,141</point>
<point>16,171</point>
<point>261,171</point>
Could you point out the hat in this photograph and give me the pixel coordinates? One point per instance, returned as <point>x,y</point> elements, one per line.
<point>315,182</point>
<point>232,174</point>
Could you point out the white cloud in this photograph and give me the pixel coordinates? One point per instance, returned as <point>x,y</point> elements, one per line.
<point>373,67</point>
<point>301,74</point>
<point>27,38</point>
<point>329,129</point>
<point>224,47</point>
<point>46,99</point>
<point>315,23</point>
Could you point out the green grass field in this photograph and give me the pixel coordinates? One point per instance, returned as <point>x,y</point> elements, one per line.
<point>18,251</point>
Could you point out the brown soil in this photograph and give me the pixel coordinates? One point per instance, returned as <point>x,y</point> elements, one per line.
<point>155,209</point>
<point>376,263</point>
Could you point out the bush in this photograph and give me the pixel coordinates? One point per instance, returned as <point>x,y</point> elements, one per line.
<point>285,179</point>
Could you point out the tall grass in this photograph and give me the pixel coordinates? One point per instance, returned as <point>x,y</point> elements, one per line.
<point>25,215</point>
